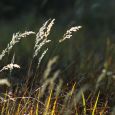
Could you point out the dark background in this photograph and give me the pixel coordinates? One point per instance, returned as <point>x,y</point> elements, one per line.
<point>94,14</point>
<point>97,18</point>
<point>90,12</point>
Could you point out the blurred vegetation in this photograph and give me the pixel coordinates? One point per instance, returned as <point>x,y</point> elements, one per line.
<point>95,16</point>
<point>88,57</point>
<point>88,12</point>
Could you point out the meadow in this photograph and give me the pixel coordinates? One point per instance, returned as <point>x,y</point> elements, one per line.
<point>60,77</point>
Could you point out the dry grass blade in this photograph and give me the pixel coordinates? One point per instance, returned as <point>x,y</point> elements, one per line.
<point>84,103</point>
<point>95,106</point>
<point>4,82</point>
<point>73,89</point>
<point>48,103</point>
<point>10,66</point>
<point>41,36</point>
<point>101,77</point>
<point>48,69</point>
<point>104,108</point>
<point>54,106</point>
<point>41,57</point>
<point>79,94</point>
<point>68,33</point>
<point>59,87</point>
<point>15,39</point>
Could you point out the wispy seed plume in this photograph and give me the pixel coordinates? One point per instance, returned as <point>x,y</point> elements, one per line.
<point>68,33</point>
<point>10,66</point>
<point>15,39</point>
<point>41,36</point>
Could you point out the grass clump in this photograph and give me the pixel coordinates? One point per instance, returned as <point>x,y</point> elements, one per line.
<point>47,93</point>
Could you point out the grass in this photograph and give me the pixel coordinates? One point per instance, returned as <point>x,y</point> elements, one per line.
<point>81,88</point>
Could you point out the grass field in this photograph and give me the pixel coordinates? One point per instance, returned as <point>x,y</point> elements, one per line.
<point>62,76</point>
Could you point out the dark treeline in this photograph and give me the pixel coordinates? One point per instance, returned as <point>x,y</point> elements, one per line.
<point>13,8</point>
<point>89,12</point>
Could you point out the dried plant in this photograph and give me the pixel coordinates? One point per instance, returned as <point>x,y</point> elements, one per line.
<point>10,66</point>
<point>68,33</point>
<point>15,39</point>
<point>41,57</point>
<point>49,67</point>
<point>5,82</point>
<point>41,36</point>
<point>51,95</point>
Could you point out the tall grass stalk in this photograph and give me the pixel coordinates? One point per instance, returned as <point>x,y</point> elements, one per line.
<point>84,104</point>
<point>48,103</point>
<point>95,105</point>
<point>15,39</point>
<point>68,33</point>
